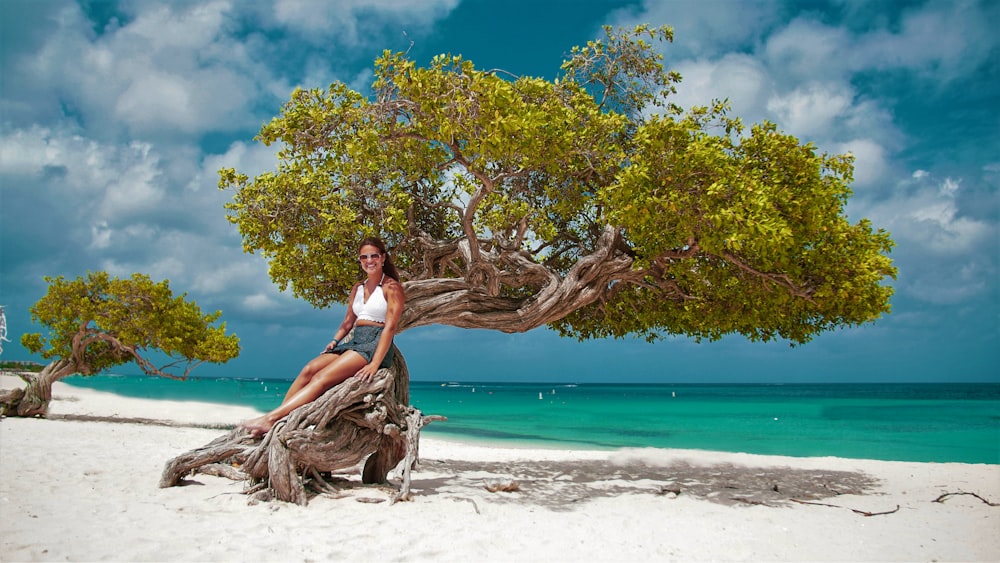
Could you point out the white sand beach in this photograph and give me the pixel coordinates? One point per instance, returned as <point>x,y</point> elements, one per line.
<point>82,486</point>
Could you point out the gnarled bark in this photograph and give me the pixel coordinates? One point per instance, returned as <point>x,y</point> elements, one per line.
<point>34,399</point>
<point>352,422</point>
<point>472,299</point>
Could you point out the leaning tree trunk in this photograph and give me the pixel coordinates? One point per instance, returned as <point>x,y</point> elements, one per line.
<point>352,421</point>
<point>34,399</point>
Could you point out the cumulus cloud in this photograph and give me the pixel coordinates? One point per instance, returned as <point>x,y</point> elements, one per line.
<point>171,69</point>
<point>345,20</point>
<point>706,28</point>
<point>871,160</point>
<point>943,38</point>
<point>808,49</point>
<point>249,158</point>
<point>740,78</point>
<point>125,208</point>
<point>259,303</point>
<point>100,180</point>
<point>945,256</point>
<point>810,110</point>
<point>929,216</point>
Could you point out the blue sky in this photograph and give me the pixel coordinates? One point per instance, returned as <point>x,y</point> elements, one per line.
<point>116,117</point>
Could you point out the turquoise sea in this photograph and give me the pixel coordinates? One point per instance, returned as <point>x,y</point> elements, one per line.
<point>940,422</point>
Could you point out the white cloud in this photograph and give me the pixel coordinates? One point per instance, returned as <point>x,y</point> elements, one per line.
<point>740,78</point>
<point>870,160</point>
<point>237,275</point>
<point>163,28</point>
<point>809,111</point>
<point>943,254</point>
<point>251,159</point>
<point>925,214</point>
<point>100,235</point>
<point>138,187</point>
<point>259,303</point>
<point>25,151</point>
<point>168,267</point>
<point>705,28</point>
<point>943,38</point>
<point>99,180</point>
<point>116,204</point>
<point>349,20</point>
<point>808,50</point>
<point>173,68</point>
<point>152,99</point>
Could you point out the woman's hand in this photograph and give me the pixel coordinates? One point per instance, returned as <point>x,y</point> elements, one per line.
<point>367,373</point>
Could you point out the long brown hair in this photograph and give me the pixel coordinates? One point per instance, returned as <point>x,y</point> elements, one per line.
<point>387,266</point>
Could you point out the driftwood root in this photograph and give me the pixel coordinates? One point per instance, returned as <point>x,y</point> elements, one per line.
<point>355,422</point>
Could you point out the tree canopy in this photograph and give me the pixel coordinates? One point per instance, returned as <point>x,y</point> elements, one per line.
<point>588,203</point>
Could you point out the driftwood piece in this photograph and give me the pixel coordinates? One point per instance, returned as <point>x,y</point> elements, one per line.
<point>854,510</point>
<point>942,498</point>
<point>353,422</point>
<point>415,420</point>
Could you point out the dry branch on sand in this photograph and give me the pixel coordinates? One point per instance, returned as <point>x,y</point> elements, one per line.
<point>356,421</point>
<point>944,497</point>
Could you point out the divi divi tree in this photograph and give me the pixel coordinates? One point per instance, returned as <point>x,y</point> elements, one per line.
<point>588,203</point>
<point>95,323</point>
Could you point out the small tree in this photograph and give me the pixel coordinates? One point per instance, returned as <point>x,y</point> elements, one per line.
<point>98,322</point>
<point>588,203</point>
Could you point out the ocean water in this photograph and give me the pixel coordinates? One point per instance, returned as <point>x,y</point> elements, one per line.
<point>942,422</point>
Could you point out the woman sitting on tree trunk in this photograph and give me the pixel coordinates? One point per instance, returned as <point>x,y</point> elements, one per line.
<point>376,304</point>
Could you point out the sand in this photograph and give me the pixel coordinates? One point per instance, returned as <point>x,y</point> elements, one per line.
<point>82,486</point>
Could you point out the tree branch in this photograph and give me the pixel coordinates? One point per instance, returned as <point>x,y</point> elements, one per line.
<point>782,280</point>
<point>457,302</point>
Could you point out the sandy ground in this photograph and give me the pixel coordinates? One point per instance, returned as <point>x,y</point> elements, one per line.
<point>82,486</point>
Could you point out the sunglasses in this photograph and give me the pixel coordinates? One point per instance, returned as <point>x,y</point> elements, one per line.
<point>363,257</point>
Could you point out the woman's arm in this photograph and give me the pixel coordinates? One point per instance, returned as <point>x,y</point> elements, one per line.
<point>395,298</point>
<point>349,319</point>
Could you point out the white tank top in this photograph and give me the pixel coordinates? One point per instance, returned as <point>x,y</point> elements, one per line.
<point>375,308</point>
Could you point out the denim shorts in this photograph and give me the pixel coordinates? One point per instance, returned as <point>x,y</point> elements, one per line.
<point>364,341</point>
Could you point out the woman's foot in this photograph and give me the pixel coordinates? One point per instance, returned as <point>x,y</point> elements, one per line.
<point>257,426</point>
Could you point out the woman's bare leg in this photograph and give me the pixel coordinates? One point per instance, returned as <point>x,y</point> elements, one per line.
<point>308,371</point>
<point>336,371</point>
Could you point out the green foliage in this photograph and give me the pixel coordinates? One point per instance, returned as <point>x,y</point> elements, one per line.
<point>723,231</point>
<point>765,216</point>
<point>100,322</point>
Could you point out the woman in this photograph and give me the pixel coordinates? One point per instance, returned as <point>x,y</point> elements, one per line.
<point>376,304</point>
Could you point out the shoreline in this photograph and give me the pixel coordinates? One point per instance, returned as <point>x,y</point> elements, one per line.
<point>958,427</point>
<point>68,481</point>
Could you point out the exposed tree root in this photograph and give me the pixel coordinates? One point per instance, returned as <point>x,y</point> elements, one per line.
<point>354,423</point>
